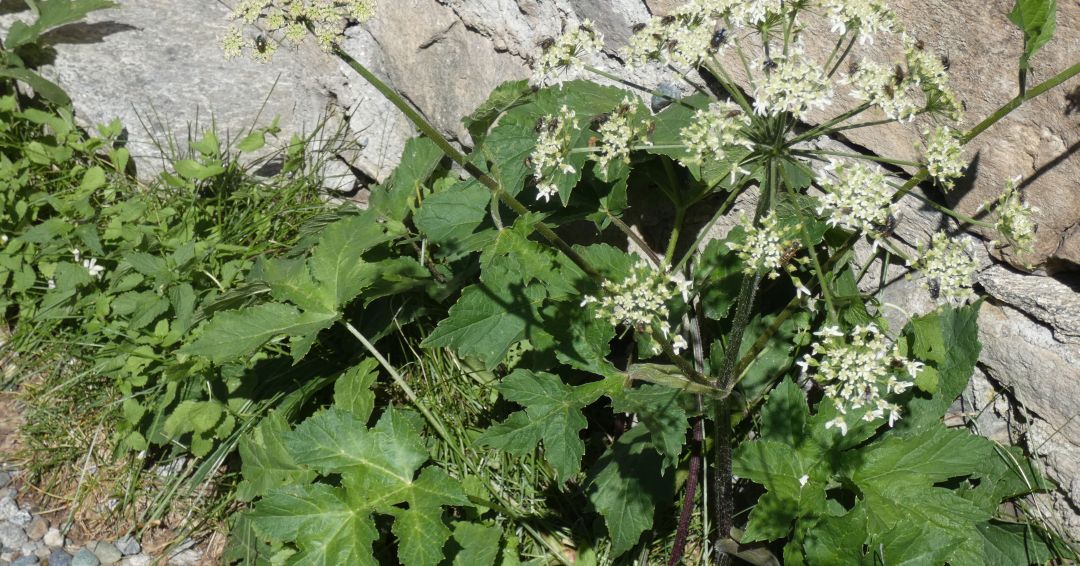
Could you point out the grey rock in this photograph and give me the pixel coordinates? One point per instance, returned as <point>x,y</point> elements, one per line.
<point>59,558</point>
<point>12,536</point>
<point>189,557</point>
<point>1042,298</point>
<point>37,528</point>
<point>8,508</point>
<point>84,558</point>
<point>25,561</point>
<point>5,479</point>
<point>127,545</point>
<point>136,560</point>
<point>53,538</point>
<point>106,552</point>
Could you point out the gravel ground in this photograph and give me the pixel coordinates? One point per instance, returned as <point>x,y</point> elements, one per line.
<point>28,540</point>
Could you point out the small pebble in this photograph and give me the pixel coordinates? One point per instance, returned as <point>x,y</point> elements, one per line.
<point>8,508</point>
<point>43,552</point>
<point>136,560</point>
<point>106,553</point>
<point>59,558</point>
<point>37,528</point>
<point>84,558</point>
<point>12,536</point>
<point>25,561</point>
<point>127,545</point>
<point>5,479</point>
<point>53,538</point>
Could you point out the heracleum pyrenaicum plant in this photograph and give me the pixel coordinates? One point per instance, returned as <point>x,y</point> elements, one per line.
<point>715,334</point>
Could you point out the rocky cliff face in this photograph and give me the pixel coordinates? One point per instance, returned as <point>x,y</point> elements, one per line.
<point>155,65</point>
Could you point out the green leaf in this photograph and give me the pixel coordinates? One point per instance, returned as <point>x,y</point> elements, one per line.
<point>252,142</point>
<point>1013,544</point>
<point>486,321</point>
<point>505,96</point>
<point>1037,19</point>
<point>191,169</point>
<point>51,13</point>
<point>194,416</point>
<point>450,215</point>
<point>658,408</point>
<point>508,148</point>
<point>47,89</point>
<point>785,414</point>
<point>479,544</point>
<point>947,340</point>
<point>235,334</point>
<point>552,414</point>
<point>337,262</point>
<point>626,486</point>
<point>396,197</point>
<point>352,391</point>
<point>290,280</point>
<point>796,482</point>
<point>266,463</point>
<point>322,520</point>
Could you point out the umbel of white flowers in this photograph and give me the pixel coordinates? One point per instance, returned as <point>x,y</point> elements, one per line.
<point>641,300</point>
<point>858,369</point>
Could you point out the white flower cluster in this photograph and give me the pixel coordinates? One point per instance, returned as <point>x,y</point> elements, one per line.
<point>713,129</point>
<point>552,146</point>
<point>858,369</point>
<point>568,51</point>
<point>794,85</point>
<point>928,71</point>
<point>944,156</point>
<point>619,131</point>
<point>90,264</point>
<point>868,17</point>
<point>287,18</point>
<point>1014,217</point>
<point>859,198</point>
<point>686,36</point>
<point>948,271</point>
<point>767,246</point>
<point>886,88</point>
<point>754,12</point>
<point>641,300</point>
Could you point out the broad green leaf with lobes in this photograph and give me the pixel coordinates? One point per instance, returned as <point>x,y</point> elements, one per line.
<point>659,410</point>
<point>482,323</point>
<point>266,463</point>
<point>337,262</point>
<point>352,390</point>
<point>552,414</point>
<point>396,197</point>
<point>238,333</point>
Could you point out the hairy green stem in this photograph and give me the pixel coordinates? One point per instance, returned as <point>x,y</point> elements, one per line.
<point>867,157</point>
<point>1020,99</point>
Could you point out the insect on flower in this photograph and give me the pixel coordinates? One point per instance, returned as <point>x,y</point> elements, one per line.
<point>260,43</point>
<point>719,38</point>
<point>934,286</point>
<point>546,43</point>
<point>637,27</point>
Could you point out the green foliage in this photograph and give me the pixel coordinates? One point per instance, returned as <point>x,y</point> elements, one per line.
<point>1037,19</point>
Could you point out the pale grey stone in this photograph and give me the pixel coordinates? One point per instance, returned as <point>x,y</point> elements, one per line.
<point>127,545</point>
<point>59,558</point>
<point>12,536</point>
<point>189,557</point>
<point>53,538</point>
<point>136,560</point>
<point>25,561</point>
<point>37,528</point>
<point>1043,298</point>
<point>84,558</point>
<point>106,553</point>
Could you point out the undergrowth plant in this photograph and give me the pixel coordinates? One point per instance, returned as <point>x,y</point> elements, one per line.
<point>665,385</point>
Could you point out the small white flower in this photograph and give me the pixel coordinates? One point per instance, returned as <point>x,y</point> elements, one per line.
<point>568,51</point>
<point>766,246</point>
<point>52,283</point>
<point>714,130</point>
<point>1014,217</point>
<point>92,266</point>
<point>927,70</point>
<point>859,198</point>
<point>679,344</point>
<point>944,156</point>
<point>619,132</point>
<point>839,423</point>
<point>552,147</point>
<point>4,239</point>
<point>948,272</point>
<point>794,85</point>
<point>639,301</point>
<point>866,16</point>
<point>75,252</point>
<point>803,480</point>
<point>890,89</point>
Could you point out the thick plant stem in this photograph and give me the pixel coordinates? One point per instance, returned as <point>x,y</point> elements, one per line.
<point>457,157</point>
<point>1023,97</point>
<point>692,475</point>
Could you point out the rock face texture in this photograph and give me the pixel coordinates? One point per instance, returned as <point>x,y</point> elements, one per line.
<point>157,62</point>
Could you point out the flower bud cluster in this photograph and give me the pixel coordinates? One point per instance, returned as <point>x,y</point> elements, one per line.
<point>858,369</point>
<point>944,156</point>
<point>868,17</point>
<point>859,198</point>
<point>641,300</point>
<point>568,51</point>
<point>90,264</point>
<point>714,129</point>
<point>552,147</point>
<point>947,270</point>
<point>794,85</point>
<point>619,131</point>
<point>767,246</point>
<point>885,88</point>
<point>287,19</point>
<point>1014,217</point>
